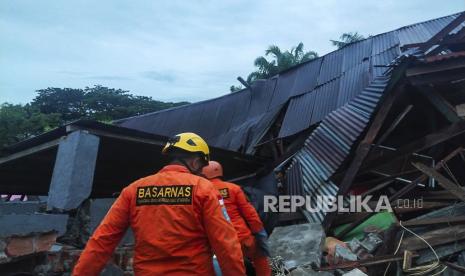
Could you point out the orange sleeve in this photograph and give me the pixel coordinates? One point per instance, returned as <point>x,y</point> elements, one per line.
<point>221,234</point>
<point>106,237</point>
<point>247,211</point>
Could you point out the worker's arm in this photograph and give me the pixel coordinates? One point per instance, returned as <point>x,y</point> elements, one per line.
<point>247,211</point>
<point>221,234</point>
<point>106,237</point>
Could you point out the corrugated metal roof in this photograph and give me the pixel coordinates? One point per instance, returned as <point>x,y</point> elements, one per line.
<point>307,75</point>
<point>294,179</point>
<point>326,98</point>
<point>330,144</point>
<point>353,81</point>
<point>330,82</point>
<point>421,32</point>
<point>331,66</point>
<point>284,88</point>
<point>382,42</point>
<point>382,59</point>
<point>298,115</point>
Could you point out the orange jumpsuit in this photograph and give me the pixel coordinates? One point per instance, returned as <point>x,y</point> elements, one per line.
<point>178,223</point>
<point>246,221</point>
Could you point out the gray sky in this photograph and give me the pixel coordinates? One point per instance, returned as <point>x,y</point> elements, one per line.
<point>175,50</point>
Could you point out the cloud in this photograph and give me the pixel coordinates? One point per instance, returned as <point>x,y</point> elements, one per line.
<point>72,73</point>
<point>175,50</point>
<point>159,76</point>
<point>110,78</point>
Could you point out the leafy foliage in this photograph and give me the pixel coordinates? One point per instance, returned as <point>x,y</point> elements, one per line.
<point>347,39</point>
<point>18,122</point>
<point>53,107</point>
<point>280,60</point>
<point>234,88</point>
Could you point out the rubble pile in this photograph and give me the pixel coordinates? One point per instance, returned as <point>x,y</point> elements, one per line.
<point>378,121</point>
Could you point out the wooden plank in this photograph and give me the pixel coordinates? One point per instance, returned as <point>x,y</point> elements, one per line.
<point>444,182</point>
<point>434,238</point>
<point>436,39</point>
<point>423,143</point>
<point>400,193</point>
<point>393,126</point>
<point>455,267</point>
<point>435,195</point>
<point>425,69</point>
<point>443,77</point>
<point>385,178</point>
<point>431,221</point>
<point>424,207</point>
<point>441,104</point>
<point>103,133</point>
<point>30,151</point>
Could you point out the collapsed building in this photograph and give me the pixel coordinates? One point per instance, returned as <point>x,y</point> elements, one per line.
<point>379,117</point>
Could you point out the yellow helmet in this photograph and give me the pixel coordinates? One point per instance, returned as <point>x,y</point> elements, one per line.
<point>189,142</point>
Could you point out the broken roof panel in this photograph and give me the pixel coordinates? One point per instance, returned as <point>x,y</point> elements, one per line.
<point>335,79</point>
<point>284,87</point>
<point>421,32</point>
<point>352,82</point>
<point>307,75</point>
<point>330,143</point>
<point>261,96</point>
<point>298,115</point>
<point>380,61</point>
<point>355,54</point>
<point>326,97</point>
<point>331,67</point>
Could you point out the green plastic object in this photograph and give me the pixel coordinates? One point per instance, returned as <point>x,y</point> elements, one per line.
<point>382,220</point>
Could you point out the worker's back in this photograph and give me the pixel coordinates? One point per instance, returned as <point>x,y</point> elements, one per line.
<point>176,219</point>
<point>243,215</point>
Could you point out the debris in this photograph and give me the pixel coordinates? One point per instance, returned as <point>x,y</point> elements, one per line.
<point>362,263</point>
<point>306,271</point>
<point>344,253</point>
<point>330,248</point>
<point>435,237</point>
<point>382,221</point>
<point>355,272</point>
<point>381,126</point>
<point>298,245</point>
<point>367,245</point>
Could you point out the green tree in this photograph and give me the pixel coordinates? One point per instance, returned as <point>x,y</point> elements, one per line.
<point>280,60</point>
<point>18,122</point>
<point>53,107</point>
<point>68,102</point>
<point>347,39</point>
<point>98,103</point>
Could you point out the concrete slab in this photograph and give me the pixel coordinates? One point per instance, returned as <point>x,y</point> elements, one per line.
<point>24,224</point>
<point>21,207</point>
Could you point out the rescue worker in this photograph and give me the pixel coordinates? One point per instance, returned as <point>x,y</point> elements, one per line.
<point>244,217</point>
<point>177,218</point>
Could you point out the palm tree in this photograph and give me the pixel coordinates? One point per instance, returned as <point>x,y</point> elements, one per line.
<point>346,39</point>
<point>280,61</point>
